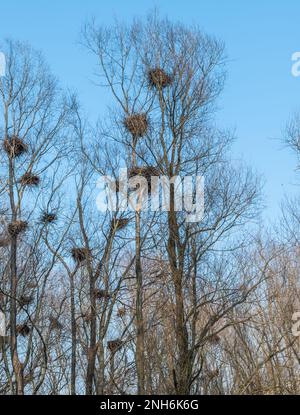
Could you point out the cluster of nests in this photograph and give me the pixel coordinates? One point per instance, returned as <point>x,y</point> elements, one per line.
<point>15,228</point>
<point>24,328</point>
<point>137,123</point>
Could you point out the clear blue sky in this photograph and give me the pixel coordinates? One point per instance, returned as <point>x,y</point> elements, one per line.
<point>260,36</point>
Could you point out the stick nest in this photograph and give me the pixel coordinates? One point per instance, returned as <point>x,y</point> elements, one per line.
<point>137,124</point>
<point>14,146</point>
<point>17,227</point>
<point>158,78</point>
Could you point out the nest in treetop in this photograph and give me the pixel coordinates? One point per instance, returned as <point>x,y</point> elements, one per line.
<point>146,172</point>
<point>55,324</point>
<point>25,300</point>
<point>114,345</point>
<point>17,227</point>
<point>23,329</point>
<point>48,217</point>
<point>30,179</point>
<point>80,254</point>
<point>118,224</point>
<point>158,78</point>
<point>14,146</point>
<point>136,124</point>
<point>101,294</point>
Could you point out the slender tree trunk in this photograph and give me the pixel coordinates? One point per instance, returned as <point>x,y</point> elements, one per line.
<point>74,338</point>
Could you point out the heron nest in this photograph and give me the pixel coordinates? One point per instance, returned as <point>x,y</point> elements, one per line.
<point>23,329</point>
<point>114,345</point>
<point>118,224</point>
<point>25,300</point>
<point>15,146</point>
<point>48,217</point>
<point>30,179</point>
<point>80,254</point>
<point>136,124</point>
<point>17,227</point>
<point>101,294</point>
<point>146,172</point>
<point>158,78</point>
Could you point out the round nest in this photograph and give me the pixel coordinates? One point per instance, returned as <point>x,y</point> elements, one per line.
<point>158,78</point>
<point>30,179</point>
<point>48,217</point>
<point>146,172</point>
<point>101,294</point>
<point>14,146</point>
<point>80,254</point>
<point>119,224</point>
<point>114,345</point>
<point>23,329</point>
<point>17,227</point>
<point>121,312</point>
<point>137,124</point>
<point>25,300</point>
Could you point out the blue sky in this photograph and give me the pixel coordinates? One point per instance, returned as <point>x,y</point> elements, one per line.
<point>260,37</point>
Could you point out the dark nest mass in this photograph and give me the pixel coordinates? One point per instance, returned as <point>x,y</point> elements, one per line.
<point>48,217</point>
<point>80,254</point>
<point>146,172</point>
<point>14,146</point>
<point>23,329</point>
<point>101,294</point>
<point>137,124</point>
<point>158,78</point>
<point>25,300</point>
<point>114,345</point>
<point>119,224</point>
<point>30,179</point>
<point>17,227</point>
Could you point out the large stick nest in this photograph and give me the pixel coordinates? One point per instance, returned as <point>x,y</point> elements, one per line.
<point>117,224</point>
<point>17,227</point>
<point>14,146</point>
<point>48,217</point>
<point>158,78</point>
<point>114,345</point>
<point>146,172</point>
<point>80,254</point>
<point>101,294</point>
<point>137,124</point>
<point>25,300</point>
<point>55,324</point>
<point>23,329</point>
<point>30,179</point>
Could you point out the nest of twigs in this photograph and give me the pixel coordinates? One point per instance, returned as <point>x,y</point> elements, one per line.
<point>136,124</point>
<point>17,227</point>
<point>114,345</point>
<point>14,146</point>
<point>23,329</point>
<point>117,224</point>
<point>55,324</point>
<point>146,172</point>
<point>25,300</point>
<point>87,316</point>
<point>158,78</point>
<point>80,254</point>
<point>30,179</point>
<point>121,312</point>
<point>48,217</point>
<point>101,294</point>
